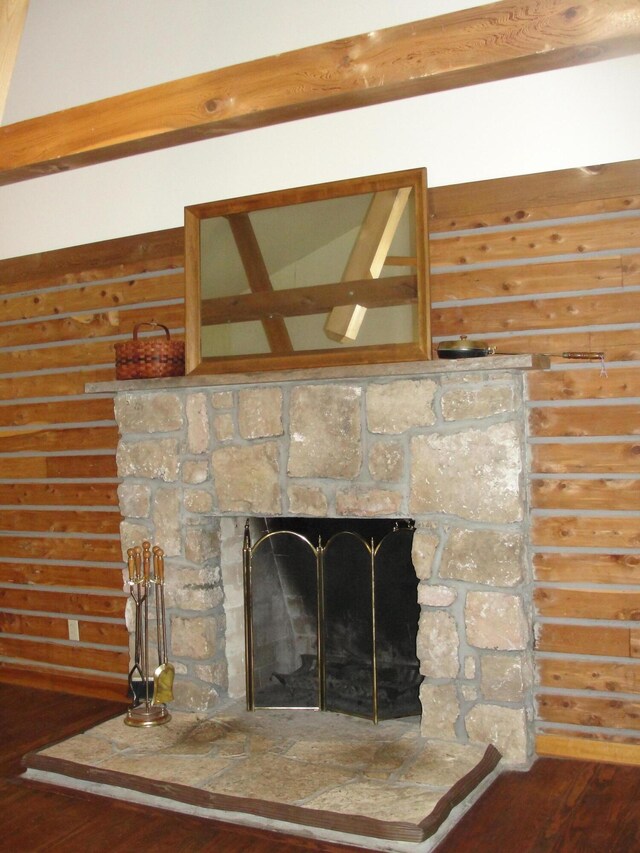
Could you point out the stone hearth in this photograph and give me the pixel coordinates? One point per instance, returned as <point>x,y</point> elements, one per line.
<point>440,443</point>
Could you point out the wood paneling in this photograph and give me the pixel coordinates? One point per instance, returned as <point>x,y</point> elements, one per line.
<point>587,420</point>
<point>460,49</point>
<point>82,576</point>
<point>587,531</point>
<point>571,640</point>
<point>600,494</point>
<point>602,676</point>
<point>622,605</point>
<point>525,198</point>
<point>590,711</point>
<point>587,568</point>
<point>102,633</point>
<point>71,467</point>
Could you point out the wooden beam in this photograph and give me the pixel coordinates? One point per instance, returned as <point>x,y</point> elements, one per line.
<point>486,43</point>
<point>367,259</point>
<point>258,278</point>
<point>12,17</point>
<point>316,299</point>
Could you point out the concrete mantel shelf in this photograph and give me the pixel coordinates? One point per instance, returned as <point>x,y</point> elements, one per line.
<point>404,369</point>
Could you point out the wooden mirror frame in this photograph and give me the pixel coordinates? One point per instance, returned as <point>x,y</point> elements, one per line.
<point>359,292</point>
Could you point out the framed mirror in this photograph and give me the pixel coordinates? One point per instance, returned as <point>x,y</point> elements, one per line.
<point>330,274</point>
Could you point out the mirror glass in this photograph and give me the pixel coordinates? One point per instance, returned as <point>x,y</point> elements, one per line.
<point>329,274</point>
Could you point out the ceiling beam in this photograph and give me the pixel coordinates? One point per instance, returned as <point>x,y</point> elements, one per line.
<point>492,42</point>
<point>12,18</point>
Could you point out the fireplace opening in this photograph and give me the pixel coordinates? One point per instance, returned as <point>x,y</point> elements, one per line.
<point>331,616</point>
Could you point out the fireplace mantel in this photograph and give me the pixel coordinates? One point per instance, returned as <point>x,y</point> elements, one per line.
<point>402,369</point>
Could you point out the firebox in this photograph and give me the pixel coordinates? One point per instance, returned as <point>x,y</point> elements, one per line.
<point>331,616</point>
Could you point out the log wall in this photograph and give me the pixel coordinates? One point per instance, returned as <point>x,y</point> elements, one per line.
<point>60,556</point>
<point>538,263</point>
<point>551,263</point>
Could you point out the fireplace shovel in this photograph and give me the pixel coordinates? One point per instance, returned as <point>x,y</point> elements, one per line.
<point>164,672</point>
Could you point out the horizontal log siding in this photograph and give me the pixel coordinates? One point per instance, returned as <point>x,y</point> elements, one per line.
<point>511,267</point>
<point>60,556</point>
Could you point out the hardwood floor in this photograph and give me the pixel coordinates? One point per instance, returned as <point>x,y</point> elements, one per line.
<point>558,807</point>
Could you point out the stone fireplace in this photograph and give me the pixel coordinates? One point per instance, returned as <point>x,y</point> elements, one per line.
<point>440,443</point>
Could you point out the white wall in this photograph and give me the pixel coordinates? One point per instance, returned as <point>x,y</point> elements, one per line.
<point>75,51</point>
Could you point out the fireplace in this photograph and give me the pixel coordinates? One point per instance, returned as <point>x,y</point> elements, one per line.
<point>440,443</point>
<point>331,616</point>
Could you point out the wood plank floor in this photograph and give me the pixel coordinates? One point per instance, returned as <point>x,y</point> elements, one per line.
<point>559,806</point>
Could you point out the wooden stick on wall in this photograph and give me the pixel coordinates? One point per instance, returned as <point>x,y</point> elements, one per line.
<point>12,17</point>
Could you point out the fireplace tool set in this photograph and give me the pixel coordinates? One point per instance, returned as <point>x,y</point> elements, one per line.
<point>150,691</point>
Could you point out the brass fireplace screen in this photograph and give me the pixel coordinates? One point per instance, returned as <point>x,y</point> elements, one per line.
<point>332,626</point>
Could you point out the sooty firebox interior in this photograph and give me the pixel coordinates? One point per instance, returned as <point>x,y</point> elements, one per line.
<point>332,616</point>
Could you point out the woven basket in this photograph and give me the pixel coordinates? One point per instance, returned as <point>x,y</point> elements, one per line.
<point>151,357</point>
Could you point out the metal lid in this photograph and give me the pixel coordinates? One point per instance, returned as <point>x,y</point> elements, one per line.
<point>462,344</point>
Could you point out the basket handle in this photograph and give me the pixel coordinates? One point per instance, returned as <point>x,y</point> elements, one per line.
<point>151,323</point>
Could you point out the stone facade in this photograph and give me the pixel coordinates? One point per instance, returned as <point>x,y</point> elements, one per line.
<point>445,450</point>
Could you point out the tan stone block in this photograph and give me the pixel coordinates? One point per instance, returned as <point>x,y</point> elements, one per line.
<point>436,596</point>
<point>194,696</point>
<point>134,499</point>
<point>222,400</point>
<point>443,764</point>
<point>197,423</point>
<point>166,520</point>
<point>437,644</point>
<point>189,588</point>
<point>495,620</point>
<point>201,544</point>
<point>440,711</point>
<point>247,479</point>
<point>490,557</point>
<point>132,536</point>
<point>362,502</point>
<point>195,471</point>
<point>325,428</point>
<point>194,636</point>
<point>505,728</point>
<point>197,500</point>
<point>215,673</point>
<point>307,500</point>
<point>502,678</point>
<point>223,427</point>
<point>482,401</point>
<point>473,474</point>
<point>469,667</point>
<point>151,459</point>
<point>386,461</point>
<point>148,412</point>
<point>394,407</point>
<point>260,412</point>
<point>423,549</point>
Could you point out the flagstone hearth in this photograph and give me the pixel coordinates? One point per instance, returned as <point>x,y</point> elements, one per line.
<point>380,787</point>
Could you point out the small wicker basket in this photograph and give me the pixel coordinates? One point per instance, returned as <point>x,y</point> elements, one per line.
<point>151,357</point>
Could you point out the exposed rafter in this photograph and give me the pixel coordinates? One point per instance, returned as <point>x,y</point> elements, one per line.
<point>492,42</point>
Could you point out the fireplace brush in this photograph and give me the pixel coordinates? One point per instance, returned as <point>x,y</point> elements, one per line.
<point>149,693</point>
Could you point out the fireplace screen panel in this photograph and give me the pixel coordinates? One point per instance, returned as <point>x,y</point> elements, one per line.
<point>332,625</point>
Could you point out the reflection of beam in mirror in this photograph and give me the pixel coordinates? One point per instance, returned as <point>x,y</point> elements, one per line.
<point>305,301</point>
<point>258,278</point>
<point>367,259</point>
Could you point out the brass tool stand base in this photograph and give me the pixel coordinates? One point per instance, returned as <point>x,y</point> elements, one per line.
<point>146,715</point>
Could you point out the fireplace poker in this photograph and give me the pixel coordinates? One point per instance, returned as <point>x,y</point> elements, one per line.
<point>142,712</point>
<point>164,672</point>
